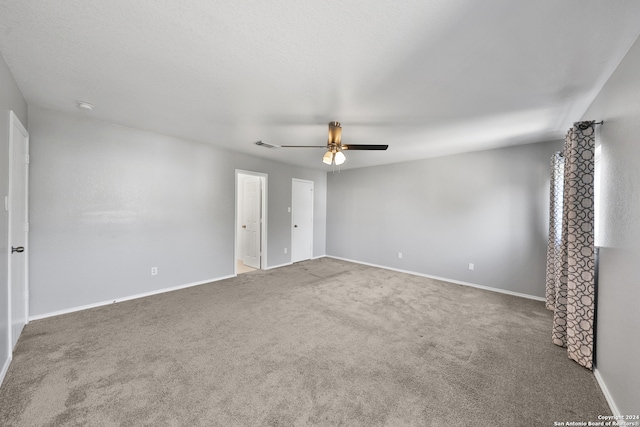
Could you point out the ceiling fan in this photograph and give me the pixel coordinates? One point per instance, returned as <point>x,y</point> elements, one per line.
<point>334,147</point>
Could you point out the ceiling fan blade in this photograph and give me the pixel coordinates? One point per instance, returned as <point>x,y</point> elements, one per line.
<point>266,144</point>
<point>303,146</point>
<point>364,147</point>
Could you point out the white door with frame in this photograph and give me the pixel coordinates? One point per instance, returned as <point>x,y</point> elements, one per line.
<point>251,207</point>
<point>301,220</point>
<point>18,208</point>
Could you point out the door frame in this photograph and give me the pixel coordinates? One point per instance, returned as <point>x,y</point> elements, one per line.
<point>263,215</point>
<point>313,186</point>
<point>15,124</point>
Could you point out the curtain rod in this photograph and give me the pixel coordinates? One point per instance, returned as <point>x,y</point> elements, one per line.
<point>587,124</point>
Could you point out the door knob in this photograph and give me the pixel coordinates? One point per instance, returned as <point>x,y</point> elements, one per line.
<point>18,249</point>
<point>244,226</point>
<point>295,226</point>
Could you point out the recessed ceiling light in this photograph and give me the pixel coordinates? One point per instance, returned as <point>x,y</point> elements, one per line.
<point>85,106</point>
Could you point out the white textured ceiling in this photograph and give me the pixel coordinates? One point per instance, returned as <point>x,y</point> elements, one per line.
<point>427,77</point>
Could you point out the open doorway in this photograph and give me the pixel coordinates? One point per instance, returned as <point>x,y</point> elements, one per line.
<point>251,224</point>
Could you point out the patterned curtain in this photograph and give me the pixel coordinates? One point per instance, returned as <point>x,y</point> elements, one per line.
<point>555,226</point>
<point>570,257</point>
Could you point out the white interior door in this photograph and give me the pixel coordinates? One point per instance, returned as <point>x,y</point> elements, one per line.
<point>251,207</point>
<point>301,220</point>
<point>18,227</point>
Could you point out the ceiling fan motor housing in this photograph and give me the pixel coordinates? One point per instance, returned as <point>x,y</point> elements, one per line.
<point>335,134</point>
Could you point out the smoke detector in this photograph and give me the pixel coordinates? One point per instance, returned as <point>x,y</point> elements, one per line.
<point>84,106</point>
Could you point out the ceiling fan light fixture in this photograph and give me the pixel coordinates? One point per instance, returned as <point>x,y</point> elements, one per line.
<point>339,158</point>
<point>327,158</point>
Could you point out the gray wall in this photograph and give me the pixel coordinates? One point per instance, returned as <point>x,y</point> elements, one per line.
<point>489,208</point>
<point>618,323</point>
<point>109,202</point>
<point>10,99</point>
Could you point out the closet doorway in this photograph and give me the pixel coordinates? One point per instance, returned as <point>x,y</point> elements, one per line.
<point>251,197</point>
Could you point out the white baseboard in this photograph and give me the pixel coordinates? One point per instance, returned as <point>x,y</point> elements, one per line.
<point>5,368</point>
<point>127,298</point>
<point>290,263</point>
<point>607,395</point>
<point>444,279</point>
<point>271,267</point>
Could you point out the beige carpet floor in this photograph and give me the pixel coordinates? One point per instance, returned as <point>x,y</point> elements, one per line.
<point>322,342</point>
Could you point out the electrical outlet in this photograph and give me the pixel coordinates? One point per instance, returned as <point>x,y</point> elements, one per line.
<point>399,255</point>
<point>286,250</point>
<point>154,271</point>
<point>471,266</point>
